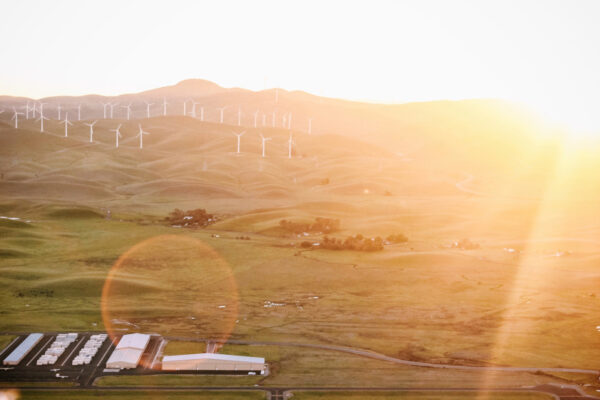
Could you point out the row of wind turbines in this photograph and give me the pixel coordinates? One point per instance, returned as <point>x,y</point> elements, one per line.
<point>260,118</point>
<point>141,132</point>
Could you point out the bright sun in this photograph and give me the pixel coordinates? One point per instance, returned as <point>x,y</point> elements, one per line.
<point>578,118</point>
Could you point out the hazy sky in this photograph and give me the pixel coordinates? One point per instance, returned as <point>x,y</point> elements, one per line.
<point>542,52</point>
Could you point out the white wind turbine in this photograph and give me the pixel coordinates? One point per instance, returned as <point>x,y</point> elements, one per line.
<point>202,113</point>
<point>104,105</point>
<point>79,112</point>
<point>291,142</point>
<point>264,145</point>
<point>58,109</point>
<point>141,135</point>
<point>67,123</point>
<point>27,110</point>
<point>184,107</point>
<point>239,136</point>
<point>91,130</point>
<point>112,108</point>
<point>42,118</point>
<point>222,109</point>
<point>16,117</point>
<point>148,109</point>
<point>33,110</point>
<point>165,106</point>
<point>117,135</point>
<point>194,108</point>
<point>128,107</point>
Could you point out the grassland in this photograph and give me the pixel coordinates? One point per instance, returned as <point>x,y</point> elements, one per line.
<point>418,396</point>
<point>425,300</point>
<point>134,395</point>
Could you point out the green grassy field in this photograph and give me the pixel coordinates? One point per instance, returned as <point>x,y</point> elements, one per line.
<point>134,395</point>
<point>527,297</point>
<point>418,395</point>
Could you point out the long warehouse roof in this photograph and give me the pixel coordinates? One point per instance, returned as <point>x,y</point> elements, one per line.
<point>134,341</point>
<point>213,356</point>
<point>25,347</point>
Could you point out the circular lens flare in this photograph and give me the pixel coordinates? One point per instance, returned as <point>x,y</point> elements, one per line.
<point>173,286</point>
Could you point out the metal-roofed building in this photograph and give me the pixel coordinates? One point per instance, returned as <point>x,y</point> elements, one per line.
<point>213,362</point>
<point>128,351</point>
<point>17,355</point>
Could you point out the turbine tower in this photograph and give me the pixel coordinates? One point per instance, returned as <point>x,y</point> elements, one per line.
<point>128,107</point>
<point>117,135</point>
<point>67,123</point>
<point>104,105</point>
<point>290,144</point>
<point>58,109</point>
<point>42,118</point>
<point>16,117</point>
<point>79,112</point>
<point>112,107</point>
<point>202,113</point>
<point>148,109</point>
<point>165,106</point>
<point>91,130</point>
<point>264,145</point>
<point>239,136</point>
<point>141,135</point>
<point>27,110</point>
<point>222,109</point>
<point>184,107</point>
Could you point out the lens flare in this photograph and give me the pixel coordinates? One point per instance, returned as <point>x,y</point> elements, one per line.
<point>173,286</point>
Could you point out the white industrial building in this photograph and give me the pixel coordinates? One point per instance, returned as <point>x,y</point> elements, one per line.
<point>128,352</point>
<point>213,362</point>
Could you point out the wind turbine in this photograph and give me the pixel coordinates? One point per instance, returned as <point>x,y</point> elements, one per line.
<point>128,107</point>
<point>194,108</point>
<point>104,105</point>
<point>141,135</point>
<point>112,107</point>
<point>290,144</point>
<point>184,107</point>
<point>27,110</point>
<point>91,130</point>
<point>202,113</point>
<point>67,123</point>
<point>309,126</point>
<point>58,112</point>
<point>264,145</point>
<point>148,109</point>
<point>79,112</point>
<point>42,118</point>
<point>239,136</point>
<point>255,118</point>
<point>117,135</point>
<point>222,109</point>
<point>16,117</point>
<point>239,116</point>
<point>165,106</point>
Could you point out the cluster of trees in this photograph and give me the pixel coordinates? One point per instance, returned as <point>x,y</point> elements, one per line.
<point>397,238</point>
<point>242,237</point>
<point>196,218</point>
<point>357,242</point>
<point>321,225</point>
